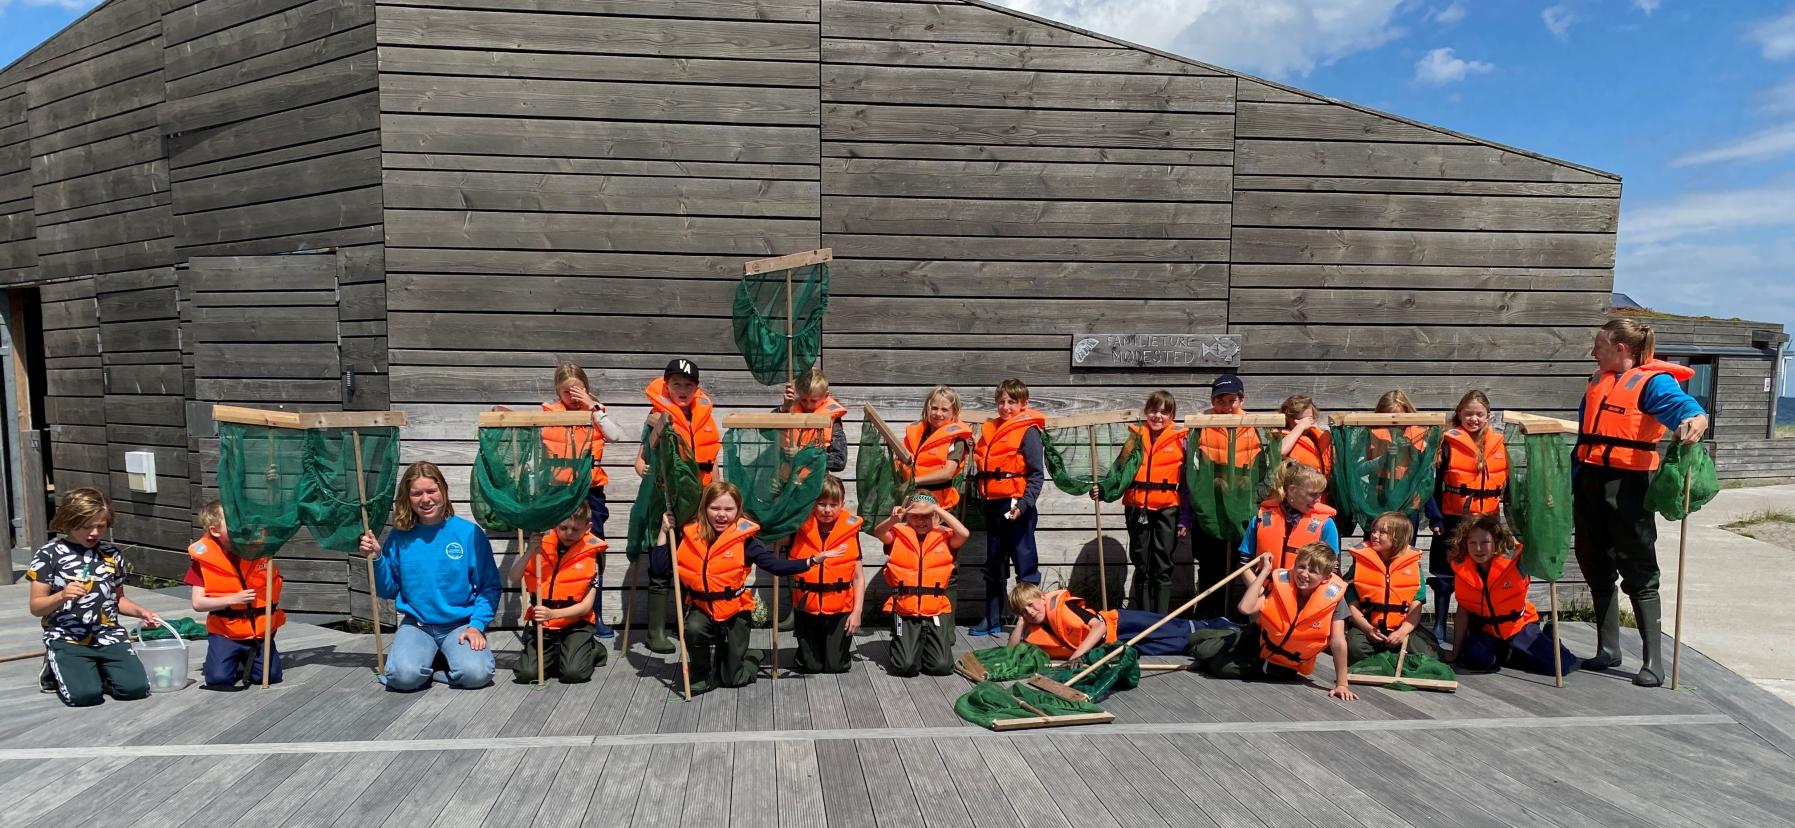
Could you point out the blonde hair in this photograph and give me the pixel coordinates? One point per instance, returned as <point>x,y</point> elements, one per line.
<point>1506,542</point>
<point>1483,434</point>
<point>1637,336</point>
<point>211,515</point>
<point>79,508</point>
<point>1292,475</point>
<point>1398,526</point>
<point>1022,593</point>
<point>833,491</point>
<point>1395,402</point>
<point>1318,558</point>
<point>403,519</point>
<point>1013,388</point>
<point>811,383</point>
<point>719,489</point>
<point>944,392</point>
<point>1161,400</point>
<point>581,513</point>
<point>569,371</point>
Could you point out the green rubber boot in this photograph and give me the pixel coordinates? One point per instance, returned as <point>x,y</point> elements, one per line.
<point>1649,612</point>
<point>1607,611</point>
<point>658,642</point>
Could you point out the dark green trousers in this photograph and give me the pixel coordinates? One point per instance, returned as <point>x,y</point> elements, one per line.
<point>569,654</point>
<point>1234,654</point>
<point>83,673</point>
<point>1617,537</point>
<point>719,650</point>
<point>922,645</point>
<point>1359,645</point>
<point>1152,535</point>
<point>824,645</point>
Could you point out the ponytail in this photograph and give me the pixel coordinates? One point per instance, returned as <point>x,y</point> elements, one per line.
<point>1637,336</point>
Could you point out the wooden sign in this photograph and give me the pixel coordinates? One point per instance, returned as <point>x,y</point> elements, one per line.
<point>1140,350</point>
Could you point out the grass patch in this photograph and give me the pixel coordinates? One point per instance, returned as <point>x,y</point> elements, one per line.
<point>150,581</point>
<point>1785,430</point>
<point>1580,611</point>
<point>1772,515</point>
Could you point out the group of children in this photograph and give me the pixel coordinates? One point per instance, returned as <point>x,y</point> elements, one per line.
<point>440,570</point>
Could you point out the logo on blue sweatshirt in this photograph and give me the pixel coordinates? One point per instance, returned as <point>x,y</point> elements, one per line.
<point>454,551</point>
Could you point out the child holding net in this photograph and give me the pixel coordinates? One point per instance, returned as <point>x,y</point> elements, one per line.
<point>571,566</point>
<point>1300,612</point>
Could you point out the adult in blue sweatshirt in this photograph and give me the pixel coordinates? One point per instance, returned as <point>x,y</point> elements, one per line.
<point>439,570</point>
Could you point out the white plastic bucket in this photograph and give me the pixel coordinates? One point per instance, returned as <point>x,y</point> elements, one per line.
<point>164,661</point>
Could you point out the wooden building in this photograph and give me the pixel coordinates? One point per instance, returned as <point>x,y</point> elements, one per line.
<point>424,204</point>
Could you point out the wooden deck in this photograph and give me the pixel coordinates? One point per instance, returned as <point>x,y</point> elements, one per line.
<point>332,747</point>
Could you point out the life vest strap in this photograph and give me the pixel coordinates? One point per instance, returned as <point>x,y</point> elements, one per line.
<point>997,475</point>
<point>725,595</point>
<point>1375,606</point>
<point>1495,620</point>
<point>1470,492</point>
<point>707,466</point>
<point>1154,487</point>
<point>829,586</point>
<point>905,589</point>
<point>1266,642</point>
<point>1617,442</point>
<point>243,614</point>
<point>558,603</point>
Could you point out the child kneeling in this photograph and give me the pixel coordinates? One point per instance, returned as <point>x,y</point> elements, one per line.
<point>1059,623</point>
<point>827,600</point>
<point>919,566</point>
<point>234,595</point>
<point>1495,624</point>
<point>1301,612</point>
<point>566,567</point>
<point>1387,594</point>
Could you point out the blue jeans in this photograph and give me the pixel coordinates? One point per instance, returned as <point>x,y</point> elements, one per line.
<point>410,664</point>
<point>226,659</point>
<point>1530,650</point>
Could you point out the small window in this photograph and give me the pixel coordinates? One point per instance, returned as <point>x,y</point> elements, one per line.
<point>1701,386</point>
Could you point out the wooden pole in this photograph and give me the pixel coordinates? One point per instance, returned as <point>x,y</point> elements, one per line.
<point>791,377</point>
<point>1676,638</point>
<point>361,493</point>
<point>1557,652</point>
<point>271,573</point>
<point>679,618</point>
<point>629,605</point>
<point>536,598</point>
<point>1402,657</point>
<point>1097,516</point>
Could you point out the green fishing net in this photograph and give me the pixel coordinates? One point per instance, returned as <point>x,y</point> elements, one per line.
<point>521,481</point>
<point>1224,496</point>
<point>1380,469</point>
<point>1012,663</point>
<point>329,502</point>
<point>779,480</point>
<point>990,702</point>
<point>1074,468</point>
<point>672,477</point>
<point>1120,673</point>
<point>1685,461</point>
<point>1415,665</point>
<point>1539,502</point>
<point>880,481</point>
<point>259,469</point>
<point>760,321</point>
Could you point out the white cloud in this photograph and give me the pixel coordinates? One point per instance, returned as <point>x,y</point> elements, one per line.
<point>1778,99</point>
<point>1558,20</point>
<point>1776,36</point>
<point>1647,6</point>
<point>1696,214</point>
<point>1441,66</point>
<point>1759,146</point>
<point>1280,38</point>
<point>1746,277</point>
<point>1451,14</point>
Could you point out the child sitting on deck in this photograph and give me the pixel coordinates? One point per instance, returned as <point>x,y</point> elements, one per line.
<point>234,595</point>
<point>1387,594</point>
<point>1495,623</point>
<point>1301,612</point>
<point>1059,623</point>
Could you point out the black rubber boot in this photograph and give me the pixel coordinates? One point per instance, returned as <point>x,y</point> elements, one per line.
<point>1607,609</point>
<point>658,642</point>
<point>1161,601</point>
<point>1648,612</point>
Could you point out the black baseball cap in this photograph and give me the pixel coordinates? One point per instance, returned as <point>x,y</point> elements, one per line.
<point>1227,384</point>
<point>681,366</point>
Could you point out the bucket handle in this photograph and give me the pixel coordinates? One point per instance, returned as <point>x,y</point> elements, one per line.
<point>171,631</point>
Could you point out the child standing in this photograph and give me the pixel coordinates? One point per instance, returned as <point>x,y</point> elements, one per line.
<point>827,600</point>
<point>1301,612</point>
<point>1011,468</point>
<point>1473,475</point>
<point>1151,504</point>
<point>1306,440</point>
<point>570,561</point>
<point>809,394</point>
<point>234,595</point>
<point>1059,623</point>
<point>573,392</point>
<point>1387,594</point>
<point>679,404</point>
<point>937,444</point>
<point>1212,555</point>
<point>1496,624</point>
<point>921,540</point>
<point>78,589</point>
<point>716,553</point>
<point>1292,518</point>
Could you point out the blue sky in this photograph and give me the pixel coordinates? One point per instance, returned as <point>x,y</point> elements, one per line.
<point>1691,102</point>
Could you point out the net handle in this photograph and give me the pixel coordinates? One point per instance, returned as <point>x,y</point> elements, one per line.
<point>361,491</point>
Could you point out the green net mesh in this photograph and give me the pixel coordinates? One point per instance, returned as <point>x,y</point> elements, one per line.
<point>1075,468</point>
<point>1539,502</point>
<point>779,482</point>
<point>760,321</point>
<point>1685,462</point>
<point>520,482</point>
<point>1380,469</point>
<point>1012,663</point>
<point>990,702</point>
<point>880,481</point>
<point>1121,673</point>
<point>330,503</point>
<point>673,477</point>
<point>1224,496</point>
<point>1415,665</point>
<point>259,469</point>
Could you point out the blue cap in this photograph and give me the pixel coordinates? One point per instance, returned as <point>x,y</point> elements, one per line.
<point>1227,384</point>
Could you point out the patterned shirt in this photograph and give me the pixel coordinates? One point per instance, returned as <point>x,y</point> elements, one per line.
<point>92,619</point>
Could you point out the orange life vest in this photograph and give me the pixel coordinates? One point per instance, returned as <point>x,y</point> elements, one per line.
<point>798,437</point>
<point>1155,484</point>
<point>715,574</point>
<point>1213,442</point>
<point>568,576</point>
<point>1615,432</point>
<point>226,574</point>
<point>570,442</point>
<point>1315,449</point>
<point>1282,542</point>
<point>1497,603</point>
<point>827,589</point>
<point>1002,472</point>
<point>699,430</point>
<point>1065,627</point>
<point>930,450</point>
<point>1386,590</point>
<point>918,571</point>
<point>1463,489</point>
<point>1383,441</point>
<point>1291,635</point>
